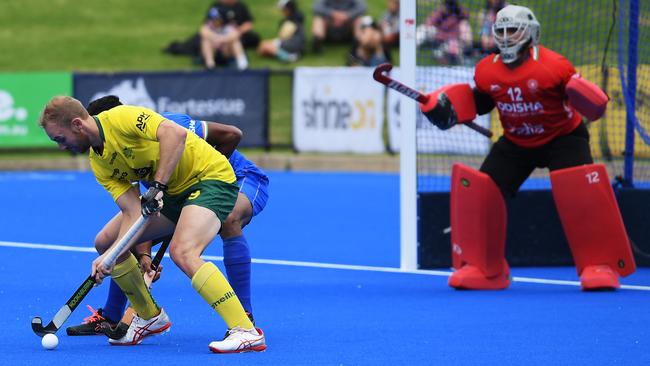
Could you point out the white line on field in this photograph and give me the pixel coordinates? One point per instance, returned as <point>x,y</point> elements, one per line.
<point>348,267</point>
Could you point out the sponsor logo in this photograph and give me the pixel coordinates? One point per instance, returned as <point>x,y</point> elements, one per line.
<point>119,175</point>
<point>192,126</point>
<point>7,109</point>
<point>464,182</point>
<point>321,113</point>
<point>142,173</point>
<point>222,299</point>
<point>79,295</point>
<point>526,129</point>
<point>495,87</point>
<point>520,107</point>
<point>204,107</point>
<point>533,85</point>
<point>142,121</point>
<point>194,195</point>
<point>128,153</point>
<point>113,156</point>
<point>403,89</point>
<point>134,92</point>
<point>8,113</point>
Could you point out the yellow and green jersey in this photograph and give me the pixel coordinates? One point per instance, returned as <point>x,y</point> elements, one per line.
<point>132,153</point>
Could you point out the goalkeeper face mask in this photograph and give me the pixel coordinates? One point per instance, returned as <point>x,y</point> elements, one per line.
<point>513,28</point>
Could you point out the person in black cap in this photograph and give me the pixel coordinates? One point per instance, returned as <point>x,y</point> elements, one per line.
<point>220,42</point>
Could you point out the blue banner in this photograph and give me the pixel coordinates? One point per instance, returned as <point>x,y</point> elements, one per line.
<point>238,98</point>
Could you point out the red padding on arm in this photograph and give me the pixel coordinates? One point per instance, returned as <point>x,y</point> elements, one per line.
<point>462,98</point>
<point>586,97</point>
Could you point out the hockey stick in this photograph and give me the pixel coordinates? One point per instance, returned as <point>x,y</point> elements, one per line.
<point>123,326</point>
<point>64,313</point>
<point>381,75</point>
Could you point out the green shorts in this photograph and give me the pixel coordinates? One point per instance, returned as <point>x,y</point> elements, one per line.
<point>218,196</point>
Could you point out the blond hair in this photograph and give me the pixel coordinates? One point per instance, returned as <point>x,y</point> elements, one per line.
<point>61,110</point>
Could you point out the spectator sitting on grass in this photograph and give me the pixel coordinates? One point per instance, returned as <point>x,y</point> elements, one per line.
<point>368,49</point>
<point>236,14</point>
<point>290,42</point>
<point>336,21</point>
<point>232,11</point>
<point>220,42</point>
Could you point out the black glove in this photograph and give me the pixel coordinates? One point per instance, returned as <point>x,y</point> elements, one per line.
<point>151,201</point>
<point>443,114</point>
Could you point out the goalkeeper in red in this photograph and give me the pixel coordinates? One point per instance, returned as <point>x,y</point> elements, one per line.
<point>541,101</point>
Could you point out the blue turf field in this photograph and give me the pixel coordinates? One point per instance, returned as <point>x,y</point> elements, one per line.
<point>312,313</point>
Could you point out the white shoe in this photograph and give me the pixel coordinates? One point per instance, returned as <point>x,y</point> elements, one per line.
<point>240,340</point>
<point>141,328</point>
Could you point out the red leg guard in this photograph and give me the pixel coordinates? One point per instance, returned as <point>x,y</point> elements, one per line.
<point>591,219</point>
<point>478,229</point>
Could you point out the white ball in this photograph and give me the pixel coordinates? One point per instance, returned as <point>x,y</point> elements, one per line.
<point>50,341</point>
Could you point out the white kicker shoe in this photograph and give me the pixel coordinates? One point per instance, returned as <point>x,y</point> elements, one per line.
<point>141,328</point>
<point>240,340</point>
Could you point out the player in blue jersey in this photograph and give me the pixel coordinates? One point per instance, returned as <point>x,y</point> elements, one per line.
<point>253,194</point>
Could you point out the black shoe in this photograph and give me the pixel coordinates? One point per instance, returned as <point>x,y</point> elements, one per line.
<point>91,324</point>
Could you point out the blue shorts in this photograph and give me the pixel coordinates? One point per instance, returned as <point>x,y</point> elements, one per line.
<point>255,187</point>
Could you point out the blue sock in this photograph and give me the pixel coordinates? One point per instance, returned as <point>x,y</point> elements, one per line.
<point>115,303</point>
<point>237,260</point>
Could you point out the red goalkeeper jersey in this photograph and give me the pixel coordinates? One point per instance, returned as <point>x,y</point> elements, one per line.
<point>533,107</point>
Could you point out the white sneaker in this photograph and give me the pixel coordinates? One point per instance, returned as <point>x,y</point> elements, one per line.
<point>141,328</point>
<point>240,340</point>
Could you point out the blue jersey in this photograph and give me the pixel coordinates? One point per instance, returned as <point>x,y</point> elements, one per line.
<point>252,181</point>
<point>239,163</point>
<point>198,127</point>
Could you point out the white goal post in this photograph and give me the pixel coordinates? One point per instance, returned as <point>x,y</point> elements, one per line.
<point>408,158</point>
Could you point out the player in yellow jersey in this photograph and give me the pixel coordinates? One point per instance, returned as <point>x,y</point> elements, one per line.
<point>128,144</point>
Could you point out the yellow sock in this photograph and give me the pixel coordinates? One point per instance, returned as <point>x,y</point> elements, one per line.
<point>213,288</point>
<point>127,275</point>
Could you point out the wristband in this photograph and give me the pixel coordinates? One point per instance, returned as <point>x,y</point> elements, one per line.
<point>156,184</point>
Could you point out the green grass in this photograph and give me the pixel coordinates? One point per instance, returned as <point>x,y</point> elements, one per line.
<point>127,35</point>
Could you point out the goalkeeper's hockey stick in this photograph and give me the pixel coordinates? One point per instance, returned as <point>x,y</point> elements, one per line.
<point>64,313</point>
<point>122,327</point>
<point>381,75</point>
